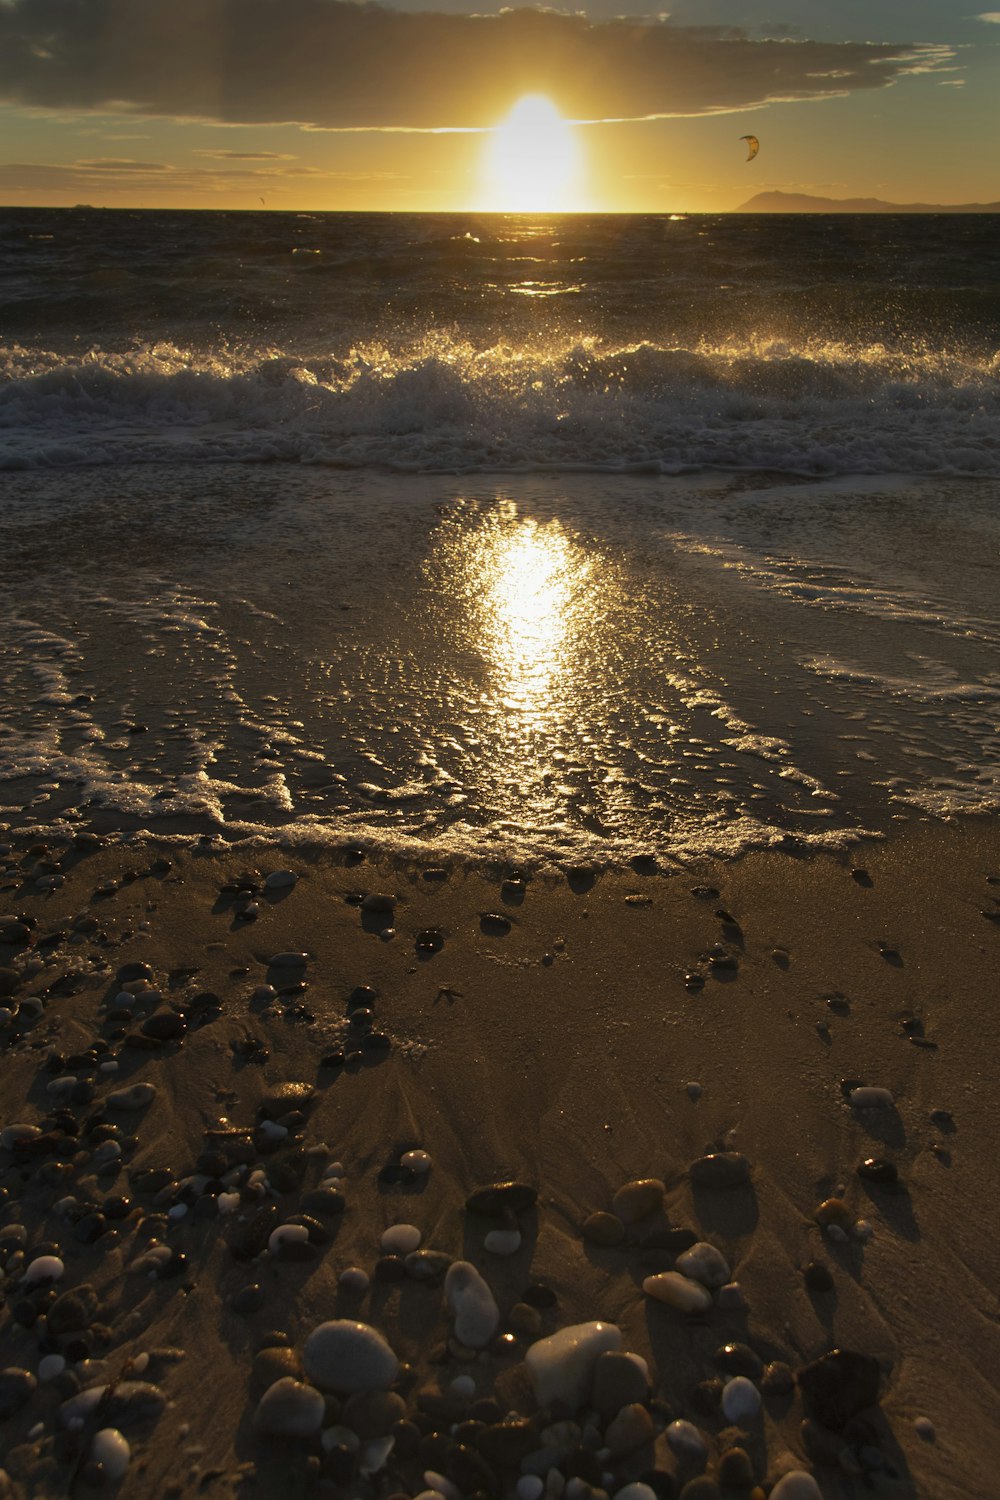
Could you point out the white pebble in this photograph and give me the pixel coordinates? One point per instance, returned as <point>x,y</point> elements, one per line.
<point>374,1454</point>
<point>400,1239</point>
<point>228,1203</point>
<point>112,1452</point>
<point>740,1399</point>
<point>286,1234</point>
<point>44,1268</point>
<point>529,1487</point>
<point>272,1131</point>
<point>678,1291</point>
<point>704,1263</point>
<point>50,1366</point>
<point>797,1485</point>
<point>472,1304</point>
<point>417,1161</point>
<point>561,1366</point>
<point>503,1241</point>
<point>441,1486</point>
<point>140,1363</point>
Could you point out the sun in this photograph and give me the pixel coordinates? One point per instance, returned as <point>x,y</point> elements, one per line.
<point>532,161</point>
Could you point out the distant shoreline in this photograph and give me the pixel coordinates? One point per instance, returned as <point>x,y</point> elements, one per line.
<point>803,203</point>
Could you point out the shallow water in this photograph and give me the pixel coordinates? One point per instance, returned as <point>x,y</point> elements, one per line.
<point>515,668</point>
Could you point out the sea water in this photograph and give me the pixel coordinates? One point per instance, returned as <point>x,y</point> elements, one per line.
<point>515,538</point>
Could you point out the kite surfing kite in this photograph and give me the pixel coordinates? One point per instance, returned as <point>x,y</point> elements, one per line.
<point>753,145</point>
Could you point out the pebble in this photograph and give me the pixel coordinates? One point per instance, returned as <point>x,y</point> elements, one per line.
<point>720,1169</point>
<point>16,1385</point>
<point>354,1280</point>
<point>694,1091</point>
<point>834,1211</point>
<point>704,1263</point>
<point>285,1236</point>
<point>739,1359</point>
<point>532,1487</point>
<point>137,1096</point>
<point>630,1429</point>
<point>44,1268</point>
<point>637,1200</point>
<point>620,1379</point>
<point>925,1429</point>
<point>877,1169</point>
<point>426,1265</point>
<point>378,901</point>
<point>280,880</point>
<point>50,1366</point>
<point>110,1449</point>
<point>601,1228</point>
<point>797,1485</point>
<point>870,1098</point>
<point>288,960</point>
<point>734,1470</point>
<point>678,1291</point>
<point>740,1400</point>
<point>686,1441</point>
<point>400,1239</point>
<point>416,1161</point>
<point>128,1403</point>
<point>345,1356</point>
<point>503,1241</point>
<point>561,1366</point>
<point>494,1200</point>
<point>838,1385</point>
<point>289,1408</point>
<point>472,1304</point>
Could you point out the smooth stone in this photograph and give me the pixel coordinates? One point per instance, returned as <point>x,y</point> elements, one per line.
<point>796,1485</point>
<point>43,1268</point>
<point>635,1201</point>
<point>472,1304</point>
<point>72,1311</point>
<point>128,1403</point>
<point>601,1228</point>
<point>282,1098</point>
<point>734,1469</point>
<point>136,1096</point>
<point>427,1265</point>
<point>561,1366</point>
<point>704,1263</point>
<point>503,1241</point>
<point>354,1280</point>
<point>288,960</point>
<point>129,972</point>
<point>871,1098</point>
<point>373,1414</point>
<point>417,1161</point>
<point>620,1379</point>
<point>838,1386</point>
<point>925,1428</point>
<point>346,1356</point>
<point>636,1491</point>
<point>740,1400</point>
<point>289,1408</point>
<point>777,1379</point>
<point>730,1298</point>
<point>678,1291</point>
<point>400,1239</point>
<point>492,1201</point>
<point>720,1169</point>
<point>111,1450</point>
<point>702,1487</point>
<point>685,1440</point>
<point>282,1239</point>
<point>325,1201</point>
<point>834,1211</point>
<point>739,1359</point>
<point>280,880</point>
<point>378,901</point>
<point>273,1364</point>
<point>877,1169</point>
<point>632,1427</point>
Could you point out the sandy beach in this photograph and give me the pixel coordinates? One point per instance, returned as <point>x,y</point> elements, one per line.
<point>570,1033</point>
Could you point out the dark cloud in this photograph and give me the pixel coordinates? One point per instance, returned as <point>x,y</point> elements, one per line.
<point>335,64</point>
<point>246,155</point>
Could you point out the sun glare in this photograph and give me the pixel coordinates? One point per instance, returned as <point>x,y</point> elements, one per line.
<point>532,161</point>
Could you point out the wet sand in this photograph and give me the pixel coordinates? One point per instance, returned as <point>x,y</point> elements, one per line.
<point>560,1051</point>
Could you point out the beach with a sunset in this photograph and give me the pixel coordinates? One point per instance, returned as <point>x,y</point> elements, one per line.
<point>499,752</point>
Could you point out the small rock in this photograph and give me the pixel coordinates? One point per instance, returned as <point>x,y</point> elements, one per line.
<point>637,1200</point>
<point>561,1366</point>
<point>777,1379</point>
<point>280,880</point>
<point>797,1485</point>
<point>110,1449</point>
<point>472,1304</point>
<point>686,1441</point>
<point>870,1098</point>
<point>290,1409</point>
<point>620,1379</point>
<point>838,1386</point>
<point>492,1201</point>
<point>720,1169</point>
<point>877,1169</point>
<point>678,1291</point>
<point>603,1229</point>
<point>834,1211</point>
<point>137,1096</point>
<point>740,1400</point>
<point>16,1386</point>
<point>704,1263</point>
<point>632,1427</point>
<point>400,1239</point>
<point>345,1356</point>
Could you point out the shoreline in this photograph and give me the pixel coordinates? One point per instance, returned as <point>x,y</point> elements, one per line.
<point>551,1038</point>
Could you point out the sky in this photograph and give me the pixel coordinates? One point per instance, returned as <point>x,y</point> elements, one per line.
<point>313,105</point>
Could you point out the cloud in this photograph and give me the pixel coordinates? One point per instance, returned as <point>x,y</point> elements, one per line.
<point>246,155</point>
<point>992,16</point>
<point>335,64</point>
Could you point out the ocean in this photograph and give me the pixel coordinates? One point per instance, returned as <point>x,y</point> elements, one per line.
<point>585,539</point>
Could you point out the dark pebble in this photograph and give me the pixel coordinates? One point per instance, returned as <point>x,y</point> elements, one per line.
<point>707,1397</point>
<point>839,1385</point>
<point>777,1379</point>
<point>16,1386</point>
<point>877,1169</point>
<point>431,940</point>
<point>406,1438</point>
<point>734,1469</point>
<point>248,1299</point>
<point>325,1201</point>
<point>538,1295</point>
<point>164,1025</point>
<point>674,1240</point>
<point>739,1359</point>
<point>817,1277</point>
<point>390,1268</point>
<point>333,1059</point>
<point>339,1464</point>
<point>376,1041</point>
<point>492,1201</point>
<point>663,1485</point>
<point>129,972</point>
<point>471,1472</point>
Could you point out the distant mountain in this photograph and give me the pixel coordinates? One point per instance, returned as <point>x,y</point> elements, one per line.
<point>803,203</point>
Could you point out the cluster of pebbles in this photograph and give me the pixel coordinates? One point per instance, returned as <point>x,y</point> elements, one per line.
<point>523,1406</point>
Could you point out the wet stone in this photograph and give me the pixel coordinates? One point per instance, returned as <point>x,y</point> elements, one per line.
<point>290,1409</point>
<point>274,1364</point>
<point>636,1200</point>
<point>817,1277</point>
<point>720,1169</point>
<point>16,1386</point>
<point>603,1229</point>
<point>877,1170</point>
<point>619,1380</point>
<point>283,1098</point>
<point>72,1311</point>
<point>734,1469</point>
<point>739,1359</point>
<point>839,1385</point>
<point>494,1200</point>
<point>249,1299</point>
<point>328,1203</point>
